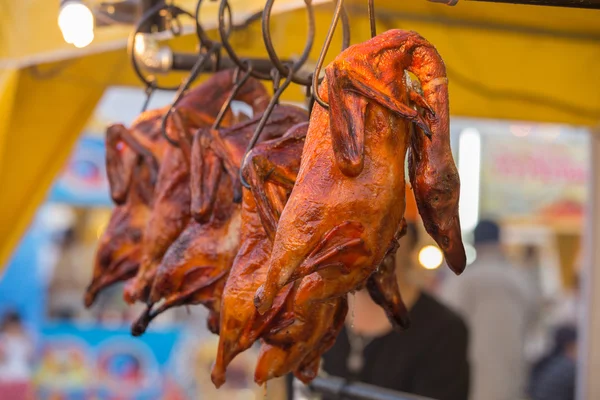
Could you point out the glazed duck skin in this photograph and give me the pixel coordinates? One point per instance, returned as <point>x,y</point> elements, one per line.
<point>294,339</point>
<point>282,352</point>
<point>270,169</point>
<point>435,182</point>
<point>132,171</point>
<point>171,211</point>
<point>222,152</point>
<point>119,250</point>
<point>346,208</point>
<point>196,266</point>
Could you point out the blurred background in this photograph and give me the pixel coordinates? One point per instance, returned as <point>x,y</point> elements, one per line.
<point>524,105</point>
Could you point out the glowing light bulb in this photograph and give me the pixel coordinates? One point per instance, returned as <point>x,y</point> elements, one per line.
<point>430,257</point>
<point>76,22</point>
<point>84,39</point>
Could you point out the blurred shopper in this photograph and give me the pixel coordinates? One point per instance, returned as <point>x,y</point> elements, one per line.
<point>16,350</point>
<point>428,359</point>
<point>16,358</point>
<point>498,302</point>
<point>553,376</point>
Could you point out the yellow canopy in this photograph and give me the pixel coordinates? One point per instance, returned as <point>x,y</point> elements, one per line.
<point>510,62</point>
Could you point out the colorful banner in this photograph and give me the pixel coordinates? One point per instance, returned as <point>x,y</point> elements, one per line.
<point>533,170</point>
<point>80,362</point>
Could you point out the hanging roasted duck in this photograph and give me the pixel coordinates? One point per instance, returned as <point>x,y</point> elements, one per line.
<point>345,212</point>
<point>270,170</point>
<point>131,170</point>
<point>196,266</point>
<point>171,210</point>
<point>298,347</point>
<point>294,338</point>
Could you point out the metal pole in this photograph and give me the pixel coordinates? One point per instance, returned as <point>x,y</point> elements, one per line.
<point>589,4</point>
<point>341,389</point>
<point>588,364</point>
<point>185,62</point>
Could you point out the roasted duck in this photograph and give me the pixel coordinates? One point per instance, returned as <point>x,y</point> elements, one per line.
<point>321,218</point>
<point>195,268</point>
<point>171,210</point>
<point>346,209</point>
<point>119,249</point>
<point>294,338</point>
<point>132,171</point>
<point>299,346</point>
<point>271,170</point>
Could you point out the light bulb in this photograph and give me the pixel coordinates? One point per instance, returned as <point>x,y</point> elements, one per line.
<point>430,257</point>
<point>84,39</point>
<point>76,22</point>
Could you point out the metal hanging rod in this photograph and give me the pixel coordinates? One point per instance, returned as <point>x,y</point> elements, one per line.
<point>589,4</point>
<point>341,389</point>
<point>149,59</point>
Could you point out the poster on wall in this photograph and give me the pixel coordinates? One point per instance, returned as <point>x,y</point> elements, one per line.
<point>533,170</point>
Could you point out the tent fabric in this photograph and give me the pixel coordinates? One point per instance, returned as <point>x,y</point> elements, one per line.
<point>46,114</point>
<point>508,62</point>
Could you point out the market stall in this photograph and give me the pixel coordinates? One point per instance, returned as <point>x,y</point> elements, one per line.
<point>64,92</point>
<point>38,61</point>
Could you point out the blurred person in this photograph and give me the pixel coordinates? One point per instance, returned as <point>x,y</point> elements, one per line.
<point>498,301</point>
<point>565,307</point>
<point>16,350</point>
<point>428,359</point>
<point>553,376</point>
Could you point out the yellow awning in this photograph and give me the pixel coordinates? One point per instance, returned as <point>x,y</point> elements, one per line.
<point>510,62</point>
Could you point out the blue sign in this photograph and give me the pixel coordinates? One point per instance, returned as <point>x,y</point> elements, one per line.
<point>83,181</point>
<point>22,283</point>
<point>94,362</point>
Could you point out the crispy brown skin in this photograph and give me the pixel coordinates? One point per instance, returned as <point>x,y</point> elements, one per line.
<point>196,265</point>
<point>346,209</point>
<point>171,211</point>
<point>299,346</point>
<point>119,249</point>
<point>293,338</point>
<point>270,169</point>
<point>132,171</point>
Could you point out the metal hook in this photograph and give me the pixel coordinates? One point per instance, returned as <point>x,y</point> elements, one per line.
<point>224,35</point>
<point>372,18</point>
<point>276,77</point>
<point>149,91</point>
<point>263,120</point>
<point>267,38</point>
<point>205,41</point>
<point>202,60</point>
<point>310,98</point>
<point>321,60</point>
<point>238,85</point>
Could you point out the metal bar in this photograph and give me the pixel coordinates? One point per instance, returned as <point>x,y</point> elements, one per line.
<point>589,4</point>
<point>185,62</point>
<point>340,388</point>
<point>588,362</point>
